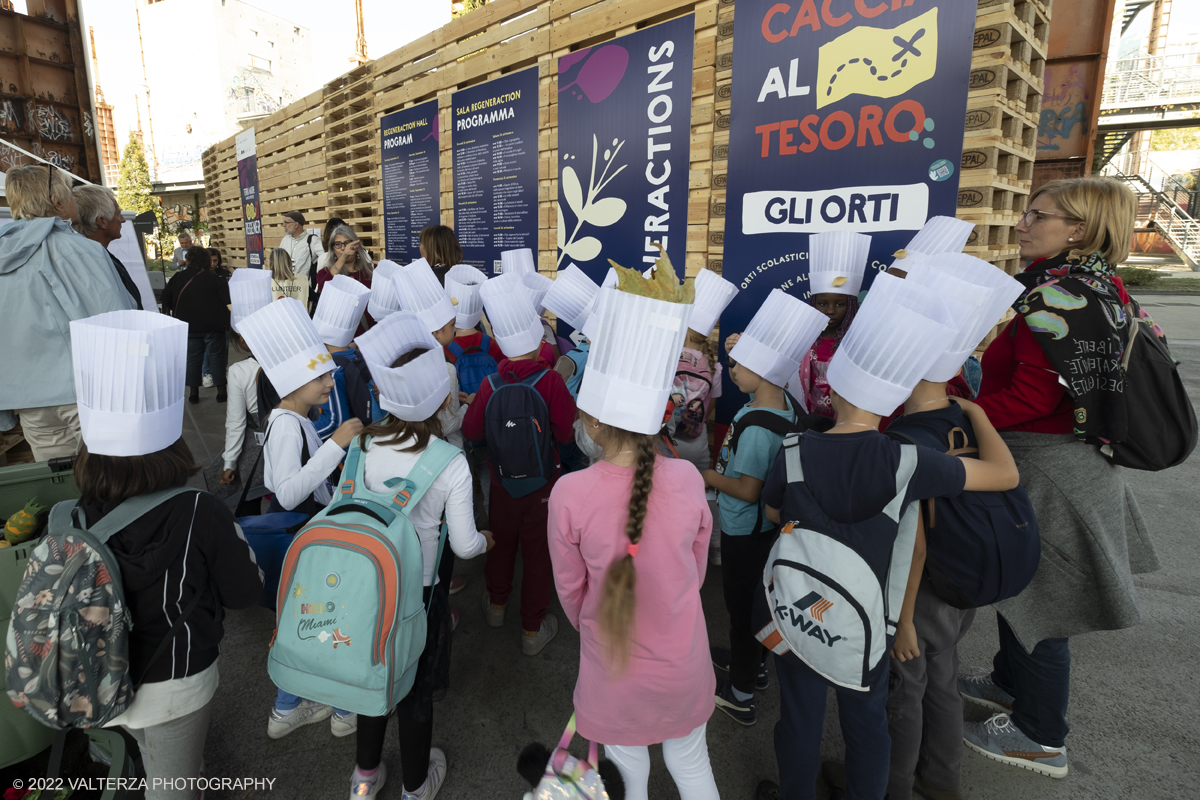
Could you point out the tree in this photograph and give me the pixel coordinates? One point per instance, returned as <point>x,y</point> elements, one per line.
<point>133,183</point>
<point>1176,139</point>
<point>466,7</point>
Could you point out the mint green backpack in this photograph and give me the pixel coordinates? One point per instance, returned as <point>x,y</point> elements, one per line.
<point>350,613</point>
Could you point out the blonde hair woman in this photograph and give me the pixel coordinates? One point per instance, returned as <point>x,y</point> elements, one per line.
<point>1053,408</point>
<point>284,281</point>
<point>49,275</point>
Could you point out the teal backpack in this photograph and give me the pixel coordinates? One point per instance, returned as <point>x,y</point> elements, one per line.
<point>350,619</point>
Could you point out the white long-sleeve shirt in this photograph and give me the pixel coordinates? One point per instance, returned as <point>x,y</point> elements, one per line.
<point>243,400</point>
<point>303,256</point>
<point>452,415</point>
<point>450,492</point>
<point>283,475</point>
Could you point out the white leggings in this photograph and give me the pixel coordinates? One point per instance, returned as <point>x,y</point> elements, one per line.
<point>687,760</point>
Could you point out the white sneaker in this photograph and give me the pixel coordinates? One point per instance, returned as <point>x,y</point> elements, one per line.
<point>532,645</point>
<point>341,726</point>
<point>433,780</point>
<point>207,381</point>
<point>363,787</point>
<point>308,712</point>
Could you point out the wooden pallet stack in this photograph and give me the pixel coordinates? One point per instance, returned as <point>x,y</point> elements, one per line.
<point>291,166</point>
<point>223,198</point>
<point>1004,101</point>
<point>352,155</point>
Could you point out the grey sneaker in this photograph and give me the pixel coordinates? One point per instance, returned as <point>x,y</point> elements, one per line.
<point>492,613</point>
<point>308,712</point>
<point>979,689</point>
<point>1000,740</point>
<point>341,726</point>
<point>433,779</point>
<point>533,644</point>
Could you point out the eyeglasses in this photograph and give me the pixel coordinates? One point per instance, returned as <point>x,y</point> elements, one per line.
<point>339,245</point>
<point>1033,217</point>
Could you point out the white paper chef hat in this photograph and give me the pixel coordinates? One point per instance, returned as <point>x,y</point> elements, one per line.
<point>385,299</point>
<point>515,324</point>
<point>713,294</point>
<point>570,296</point>
<point>249,290</point>
<point>899,333</point>
<point>632,366</point>
<point>537,285</point>
<point>129,375</point>
<point>937,235</point>
<point>415,391</point>
<point>837,261</point>
<point>286,344</point>
<point>976,295</point>
<point>462,287</point>
<point>340,309</point>
<point>424,295</point>
<point>779,337</point>
<point>591,327</point>
<point>517,261</point>
<point>610,279</point>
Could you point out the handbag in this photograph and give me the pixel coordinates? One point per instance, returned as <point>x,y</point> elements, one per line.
<point>583,782</point>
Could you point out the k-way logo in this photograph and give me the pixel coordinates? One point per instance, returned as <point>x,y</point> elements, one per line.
<point>510,424</point>
<point>816,606</point>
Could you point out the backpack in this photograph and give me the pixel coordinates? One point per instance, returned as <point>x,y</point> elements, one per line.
<point>1161,423</point>
<point>67,654</point>
<point>474,364</point>
<point>579,355</point>
<point>351,620</point>
<point>690,392</point>
<point>980,547</point>
<point>361,396</point>
<point>830,602</point>
<point>517,425</point>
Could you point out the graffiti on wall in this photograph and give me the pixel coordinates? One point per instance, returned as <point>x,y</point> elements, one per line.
<point>1062,127</point>
<point>11,118</point>
<point>249,93</point>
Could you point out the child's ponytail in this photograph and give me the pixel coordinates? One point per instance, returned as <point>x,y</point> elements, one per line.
<point>618,602</point>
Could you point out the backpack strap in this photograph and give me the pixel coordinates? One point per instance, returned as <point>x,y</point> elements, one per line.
<point>791,458</point>
<point>904,473</point>
<point>455,349</point>
<point>532,380</point>
<point>906,537</point>
<point>485,343</point>
<point>127,512</point>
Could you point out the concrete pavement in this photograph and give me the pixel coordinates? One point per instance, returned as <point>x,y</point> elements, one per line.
<point>1133,712</point>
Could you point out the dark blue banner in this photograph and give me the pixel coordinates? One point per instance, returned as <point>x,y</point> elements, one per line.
<point>247,167</point>
<point>845,116</point>
<point>495,143</point>
<point>624,139</point>
<point>411,184</point>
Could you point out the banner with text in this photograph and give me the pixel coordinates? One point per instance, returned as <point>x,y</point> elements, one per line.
<point>495,146</point>
<point>411,196</point>
<point>247,166</point>
<point>843,119</point>
<point>617,198</point>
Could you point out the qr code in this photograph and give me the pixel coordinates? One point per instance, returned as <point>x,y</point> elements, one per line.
<point>497,266</point>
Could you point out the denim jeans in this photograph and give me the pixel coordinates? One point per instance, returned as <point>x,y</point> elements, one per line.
<point>1040,683</point>
<point>286,701</point>
<point>214,347</point>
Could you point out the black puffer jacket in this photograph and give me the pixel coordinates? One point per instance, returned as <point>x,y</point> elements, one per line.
<point>200,298</point>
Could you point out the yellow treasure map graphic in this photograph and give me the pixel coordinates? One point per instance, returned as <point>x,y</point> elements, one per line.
<point>878,62</point>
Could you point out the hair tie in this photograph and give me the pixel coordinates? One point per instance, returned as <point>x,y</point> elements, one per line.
<point>632,549</point>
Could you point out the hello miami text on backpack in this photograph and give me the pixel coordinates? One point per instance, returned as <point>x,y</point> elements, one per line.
<point>690,392</point>
<point>517,424</point>
<point>474,364</point>
<point>351,616</point>
<point>67,655</point>
<point>831,602</point>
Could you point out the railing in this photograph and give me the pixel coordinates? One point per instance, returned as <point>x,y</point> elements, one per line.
<point>1164,191</point>
<point>1143,167</point>
<point>1152,80</point>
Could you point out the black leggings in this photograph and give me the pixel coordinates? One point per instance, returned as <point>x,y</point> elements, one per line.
<point>742,561</point>
<point>415,740</point>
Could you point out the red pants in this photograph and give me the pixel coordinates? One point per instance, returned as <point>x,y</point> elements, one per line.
<point>521,522</point>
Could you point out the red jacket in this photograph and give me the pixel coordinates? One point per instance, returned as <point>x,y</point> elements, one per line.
<point>551,387</point>
<point>1020,389</point>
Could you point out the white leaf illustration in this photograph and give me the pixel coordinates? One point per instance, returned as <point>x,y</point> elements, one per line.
<point>572,190</point>
<point>584,249</point>
<point>606,211</point>
<point>562,228</point>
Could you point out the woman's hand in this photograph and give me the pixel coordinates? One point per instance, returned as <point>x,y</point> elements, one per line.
<point>347,431</point>
<point>228,477</point>
<point>490,541</point>
<point>905,647</point>
<point>731,341</point>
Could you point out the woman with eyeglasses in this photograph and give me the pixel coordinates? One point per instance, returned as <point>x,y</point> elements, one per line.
<point>347,256</point>
<point>49,275</point>
<point>1051,387</point>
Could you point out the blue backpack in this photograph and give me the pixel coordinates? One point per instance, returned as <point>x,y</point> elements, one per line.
<point>580,356</point>
<point>351,620</point>
<point>981,547</point>
<point>474,364</point>
<point>517,425</point>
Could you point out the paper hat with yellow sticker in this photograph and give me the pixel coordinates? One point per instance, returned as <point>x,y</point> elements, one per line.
<point>462,287</point>
<point>878,62</point>
<point>286,345</point>
<point>340,309</point>
<point>937,235</point>
<point>837,261</point>
<point>414,391</point>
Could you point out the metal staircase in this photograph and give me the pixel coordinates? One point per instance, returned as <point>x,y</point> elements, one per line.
<point>1163,200</point>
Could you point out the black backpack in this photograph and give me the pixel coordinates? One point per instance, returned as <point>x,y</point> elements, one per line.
<point>980,547</point>
<point>517,425</point>
<point>360,389</point>
<point>1161,423</point>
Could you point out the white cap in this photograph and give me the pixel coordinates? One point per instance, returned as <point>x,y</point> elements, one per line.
<point>631,369</point>
<point>339,310</point>
<point>976,294</point>
<point>385,299</point>
<point>713,294</point>
<point>899,333</point>
<point>570,296</point>
<point>415,391</point>
<point>286,344</point>
<point>517,261</point>
<point>462,287</point>
<point>424,295</point>
<point>779,337</point>
<point>515,325</point>
<point>537,285</point>
<point>837,261</point>
<point>130,369</point>
<point>249,290</point>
